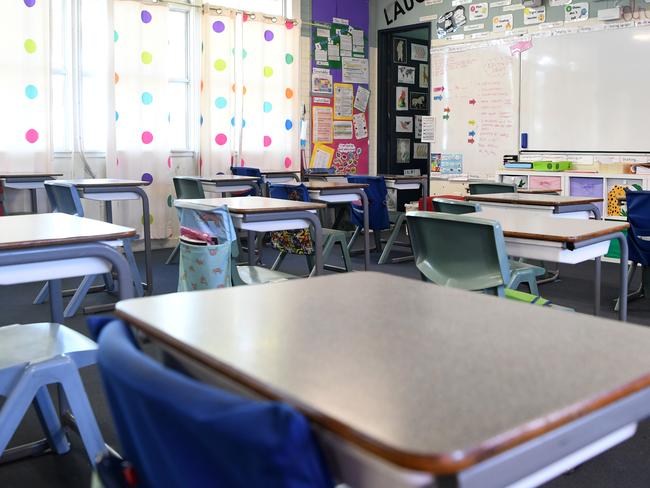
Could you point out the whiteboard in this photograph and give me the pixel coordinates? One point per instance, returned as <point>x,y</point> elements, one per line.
<point>475,100</point>
<point>587,91</point>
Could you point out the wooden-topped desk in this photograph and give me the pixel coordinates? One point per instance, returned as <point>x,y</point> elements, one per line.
<point>539,191</point>
<point>230,184</point>
<point>24,181</point>
<point>108,190</point>
<point>568,241</point>
<point>279,175</point>
<point>262,214</point>
<point>556,204</point>
<point>421,380</point>
<point>49,247</point>
<point>343,192</point>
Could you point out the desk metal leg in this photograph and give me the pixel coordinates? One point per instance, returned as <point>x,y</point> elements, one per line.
<point>251,248</point>
<point>34,198</point>
<point>597,285</point>
<point>56,301</point>
<point>366,230</point>
<point>108,205</point>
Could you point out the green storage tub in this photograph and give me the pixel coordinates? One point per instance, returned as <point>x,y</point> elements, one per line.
<point>551,165</point>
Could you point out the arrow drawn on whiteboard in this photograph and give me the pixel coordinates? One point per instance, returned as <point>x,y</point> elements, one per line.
<point>438,98</point>
<point>471,140</point>
<point>471,134</point>
<point>445,117</point>
<point>471,122</point>
<point>439,89</point>
<point>447,110</point>
<point>472,101</point>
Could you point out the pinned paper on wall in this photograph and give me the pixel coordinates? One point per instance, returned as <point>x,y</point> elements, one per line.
<point>451,163</point>
<point>346,45</point>
<point>321,124</point>
<point>358,42</point>
<point>361,99</point>
<point>534,15</point>
<point>320,55</point>
<point>576,12</point>
<point>502,23</point>
<point>355,70</point>
<point>418,127</point>
<point>321,82</point>
<point>342,129</point>
<point>322,101</point>
<point>333,51</point>
<point>428,129</point>
<point>360,126</point>
<point>558,3</point>
<point>343,101</point>
<point>478,11</point>
<point>321,156</point>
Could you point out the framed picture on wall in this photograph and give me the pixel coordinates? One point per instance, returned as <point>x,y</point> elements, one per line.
<point>418,127</point>
<point>403,151</point>
<point>419,52</point>
<point>424,76</point>
<point>420,150</point>
<point>419,101</point>
<point>406,74</point>
<point>400,50</point>
<point>404,124</point>
<point>401,98</point>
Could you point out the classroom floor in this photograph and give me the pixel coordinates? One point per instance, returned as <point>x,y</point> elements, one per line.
<point>625,466</point>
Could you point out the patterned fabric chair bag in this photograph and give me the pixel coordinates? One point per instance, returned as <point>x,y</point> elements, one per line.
<point>207,235</point>
<point>292,241</point>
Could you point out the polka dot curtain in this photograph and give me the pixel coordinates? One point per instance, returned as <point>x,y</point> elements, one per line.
<point>217,92</point>
<point>25,143</point>
<point>271,104</point>
<point>141,147</point>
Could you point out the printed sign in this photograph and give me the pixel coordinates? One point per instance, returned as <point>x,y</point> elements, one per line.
<point>502,23</point>
<point>478,11</point>
<point>534,15</point>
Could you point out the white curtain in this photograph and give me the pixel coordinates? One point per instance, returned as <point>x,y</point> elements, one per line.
<point>25,141</point>
<point>140,148</point>
<point>270,136</point>
<point>217,92</point>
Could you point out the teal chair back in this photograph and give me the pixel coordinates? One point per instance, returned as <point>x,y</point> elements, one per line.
<point>456,207</point>
<point>64,198</point>
<point>485,188</point>
<point>459,251</point>
<point>188,188</point>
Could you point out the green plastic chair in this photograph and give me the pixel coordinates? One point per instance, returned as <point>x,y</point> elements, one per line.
<point>186,188</point>
<point>520,272</point>
<point>464,252</point>
<point>487,187</point>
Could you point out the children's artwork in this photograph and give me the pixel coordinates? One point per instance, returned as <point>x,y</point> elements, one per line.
<point>419,52</point>
<point>534,15</point>
<point>420,150</point>
<point>424,76</point>
<point>403,151</point>
<point>478,11</point>
<point>502,23</point>
<point>401,98</point>
<point>321,82</point>
<point>321,156</point>
<point>404,124</point>
<point>576,12</point>
<point>346,158</point>
<point>451,21</point>
<point>406,74</point>
<point>418,127</point>
<point>419,101</point>
<point>342,129</point>
<point>399,50</point>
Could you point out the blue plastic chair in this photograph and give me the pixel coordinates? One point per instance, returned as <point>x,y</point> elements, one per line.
<point>179,432</point>
<point>248,171</point>
<point>64,198</point>
<point>33,356</point>
<point>300,241</point>
<point>378,215</point>
<point>638,216</point>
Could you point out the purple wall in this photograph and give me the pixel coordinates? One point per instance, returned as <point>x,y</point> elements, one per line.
<point>357,11</point>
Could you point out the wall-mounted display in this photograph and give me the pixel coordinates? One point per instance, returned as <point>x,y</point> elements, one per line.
<point>420,150</point>
<point>406,74</point>
<point>404,124</point>
<point>400,50</point>
<point>424,76</point>
<point>401,98</point>
<point>419,52</point>
<point>403,151</point>
<point>419,101</point>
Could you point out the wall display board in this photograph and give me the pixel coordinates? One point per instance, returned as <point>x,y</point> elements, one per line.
<point>475,105</point>
<point>340,95</point>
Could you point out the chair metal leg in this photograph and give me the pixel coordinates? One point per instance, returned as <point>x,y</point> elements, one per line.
<point>639,292</point>
<point>377,235</point>
<point>78,297</point>
<point>42,296</point>
<point>174,254</point>
<point>346,256</point>
<point>355,235</point>
<point>278,261</point>
<point>401,220</point>
<point>133,266</point>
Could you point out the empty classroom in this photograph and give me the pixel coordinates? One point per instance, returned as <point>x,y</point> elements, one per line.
<point>324,244</point>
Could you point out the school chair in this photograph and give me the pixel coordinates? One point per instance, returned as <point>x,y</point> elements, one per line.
<point>185,188</point>
<point>210,251</point>
<point>248,171</point>
<point>638,239</point>
<point>64,198</point>
<point>520,272</point>
<point>484,188</point>
<point>466,252</point>
<point>299,241</point>
<point>33,356</point>
<point>176,431</point>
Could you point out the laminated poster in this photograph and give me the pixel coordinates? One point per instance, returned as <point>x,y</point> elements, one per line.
<point>321,82</point>
<point>428,130</point>
<point>343,129</point>
<point>534,15</point>
<point>321,124</point>
<point>361,99</point>
<point>355,70</point>
<point>321,156</point>
<point>478,11</point>
<point>360,126</point>
<point>343,101</point>
<point>502,23</point>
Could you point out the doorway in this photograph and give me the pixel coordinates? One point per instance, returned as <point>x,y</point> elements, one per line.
<point>403,98</point>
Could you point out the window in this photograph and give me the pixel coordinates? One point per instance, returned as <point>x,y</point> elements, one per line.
<point>180,81</point>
